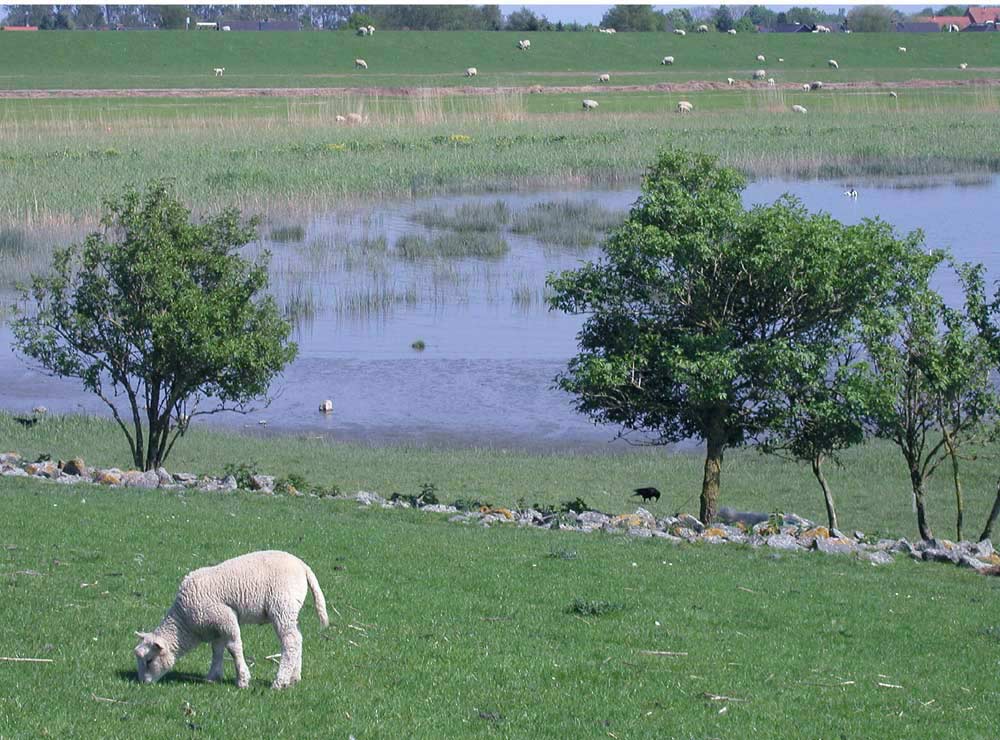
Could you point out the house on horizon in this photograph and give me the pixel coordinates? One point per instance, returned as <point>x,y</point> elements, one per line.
<point>918,27</point>
<point>265,25</point>
<point>18,28</point>
<point>943,22</point>
<point>980,16</point>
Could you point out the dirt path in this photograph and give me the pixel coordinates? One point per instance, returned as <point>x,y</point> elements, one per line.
<point>432,92</point>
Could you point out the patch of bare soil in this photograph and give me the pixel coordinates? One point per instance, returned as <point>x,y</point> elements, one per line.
<point>434,92</point>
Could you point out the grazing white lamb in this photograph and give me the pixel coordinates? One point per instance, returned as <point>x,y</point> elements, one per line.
<point>471,72</point>
<point>213,602</point>
<point>901,49</point>
<point>684,106</point>
<point>371,30</point>
<point>821,29</point>
<point>339,119</point>
<point>360,64</point>
<point>355,119</point>
<point>219,71</point>
<point>963,66</point>
<point>589,104</point>
<point>731,81</point>
<point>362,30</point>
<point>680,32</point>
<point>731,31</point>
<point>604,78</point>
<point>832,64</point>
<point>817,85</point>
<point>760,58</point>
<point>524,44</point>
<point>892,94</point>
<point>667,60</point>
<point>781,59</point>
<point>799,109</point>
<point>771,82</point>
<point>760,74</point>
<point>702,28</point>
<point>805,86</point>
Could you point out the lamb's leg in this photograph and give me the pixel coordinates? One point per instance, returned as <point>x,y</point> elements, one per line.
<point>217,670</point>
<point>290,666</point>
<point>229,635</point>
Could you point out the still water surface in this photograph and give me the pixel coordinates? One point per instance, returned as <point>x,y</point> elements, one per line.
<point>492,348</point>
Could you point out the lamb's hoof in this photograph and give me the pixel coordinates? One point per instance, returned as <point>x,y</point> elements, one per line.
<point>278,685</point>
<point>213,679</point>
<point>242,683</point>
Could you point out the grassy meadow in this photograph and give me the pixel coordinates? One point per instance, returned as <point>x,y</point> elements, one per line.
<point>444,630</point>
<point>158,59</point>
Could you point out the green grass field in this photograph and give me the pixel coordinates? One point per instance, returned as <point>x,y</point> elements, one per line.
<point>444,630</point>
<point>415,59</point>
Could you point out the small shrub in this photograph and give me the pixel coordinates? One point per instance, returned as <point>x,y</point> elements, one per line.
<point>291,482</point>
<point>594,608</point>
<point>463,504</point>
<point>419,345</point>
<point>562,554</point>
<point>577,506</point>
<point>294,233</point>
<point>243,473</point>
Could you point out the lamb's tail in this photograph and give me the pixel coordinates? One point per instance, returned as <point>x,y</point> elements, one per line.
<point>318,599</point>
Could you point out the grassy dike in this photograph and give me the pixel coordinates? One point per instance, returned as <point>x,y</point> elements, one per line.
<point>443,630</point>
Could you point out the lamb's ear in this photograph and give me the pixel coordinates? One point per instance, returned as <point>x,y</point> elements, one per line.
<point>159,644</point>
<point>141,635</point>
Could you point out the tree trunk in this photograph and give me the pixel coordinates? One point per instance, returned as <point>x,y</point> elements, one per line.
<point>959,506</point>
<point>713,473</point>
<point>917,481</point>
<point>994,512</point>
<point>831,512</point>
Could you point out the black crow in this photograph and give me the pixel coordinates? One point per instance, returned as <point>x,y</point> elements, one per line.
<point>647,493</point>
<point>26,421</point>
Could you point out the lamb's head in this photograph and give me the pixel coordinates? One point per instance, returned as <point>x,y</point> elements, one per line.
<point>153,656</point>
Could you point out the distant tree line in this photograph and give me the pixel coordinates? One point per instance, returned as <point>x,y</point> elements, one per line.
<point>459,17</point>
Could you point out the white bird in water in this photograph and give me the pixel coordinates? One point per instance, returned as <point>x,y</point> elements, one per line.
<point>852,193</point>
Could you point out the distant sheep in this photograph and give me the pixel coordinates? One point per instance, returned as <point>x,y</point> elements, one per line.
<point>471,72</point>
<point>339,119</point>
<point>901,49</point>
<point>805,86</point>
<point>832,64</point>
<point>362,30</point>
<point>667,60</point>
<point>799,109</point>
<point>731,81</point>
<point>360,64</point>
<point>524,44</point>
<point>953,28</point>
<point>680,32</point>
<point>821,29</point>
<point>816,85</point>
<point>684,106</point>
<point>892,94</point>
<point>219,71</point>
<point>771,82</point>
<point>355,119</point>
<point>606,30</point>
<point>963,66</point>
<point>781,59</point>
<point>731,31</point>
<point>213,602</point>
<point>702,28</point>
<point>760,74</point>
<point>589,104</point>
<point>371,30</point>
<point>604,78</point>
<point>760,58</point>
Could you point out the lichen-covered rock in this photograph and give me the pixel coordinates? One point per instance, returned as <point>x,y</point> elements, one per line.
<point>982,549</point>
<point>367,498</point>
<point>164,477</point>
<point>630,520</point>
<point>666,536</point>
<point>902,545</point>
<point>816,532</point>
<point>439,509</point>
<point>593,519</point>
<point>639,532</point>
<point>715,532</point>
<point>263,483</point>
<point>47,469</point>
<point>878,557</point>
<point>691,522</point>
<point>186,479</point>
<point>835,545</point>
<point>783,542</point>
<point>140,479</point>
<point>10,458</point>
<point>11,470</point>
<point>940,555</point>
<point>109,477</point>
<point>967,561</point>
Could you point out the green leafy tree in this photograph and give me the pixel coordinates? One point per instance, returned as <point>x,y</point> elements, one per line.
<point>871,19</point>
<point>746,25</point>
<point>760,15</point>
<point>162,311</point>
<point>634,18</point>
<point>679,18</point>
<point>172,17</point>
<point>523,20</point>
<point>700,311</point>
<point>722,18</point>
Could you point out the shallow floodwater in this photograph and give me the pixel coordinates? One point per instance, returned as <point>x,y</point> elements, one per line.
<point>492,348</point>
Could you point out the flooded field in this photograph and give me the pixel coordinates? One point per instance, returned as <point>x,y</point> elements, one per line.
<point>425,321</point>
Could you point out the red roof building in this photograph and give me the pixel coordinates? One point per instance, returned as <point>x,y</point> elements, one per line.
<point>943,21</point>
<point>18,28</point>
<point>983,15</point>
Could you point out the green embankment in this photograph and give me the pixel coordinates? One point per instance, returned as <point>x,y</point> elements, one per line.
<point>444,630</point>
<point>158,59</point>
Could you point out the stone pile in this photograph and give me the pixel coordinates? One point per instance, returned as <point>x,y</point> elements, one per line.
<point>788,532</point>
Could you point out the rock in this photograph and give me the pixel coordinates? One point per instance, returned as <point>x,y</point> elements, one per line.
<point>686,534</point>
<point>9,458</point>
<point>186,479</point>
<point>756,540</point>
<point>639,532</point>
<point>837,534</point>
<point>367,498</point>
<point>47,469</point>
<point>715,533</point>
<point>666,522</point>
<point>109,477</point>
<point>648,519</point>
<point>904,546</point>
<point>263,483</point>
<point>795,520</point>
<point>940,555</point>
<point>76,466</point>
<point>459,519</point>
<point>631,520</point>
<point>967,561</point>
<point>877,558</point>
<point>326,407</point>
<point>834,545</point>
<point>439,509</point>
<point>982,549</point>
<point>747,518</point>
<point>140,479</point>
<point>712,539</point>
<point>666,536</point>
<point>593,519</point>
<point>14,472</point>
<point>164,477</point>
<point>686,520</point>
<point>859,536</point>
<point>816,532</point>
<point>783,542</point>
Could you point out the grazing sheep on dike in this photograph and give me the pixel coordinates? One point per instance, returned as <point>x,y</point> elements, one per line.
<point>471,72</point>
<point>219,71</point>
<point>731,31</point>
<point>684,106</point>
<point>799,109</point>
<point>771,82</point>
<point>816,85</point>
<point>805,86</point>
<point>731,81</point>
<point>667,60</point>
<point>680,32</point>
<point>212,603</point>
<point>901,49</point>
<point>832,64</point>
<point>524,45</point>
<point>355,118</point>
<point>360,64</point>
<point>589,104</point>
<point>781,59</point>
<point>702,28</point>
<point>604,78</point>
<point>760,58</point>
<point>362,30</point>
<point>963,66</point>
<point>760,74</point>
<point>892,94</point>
